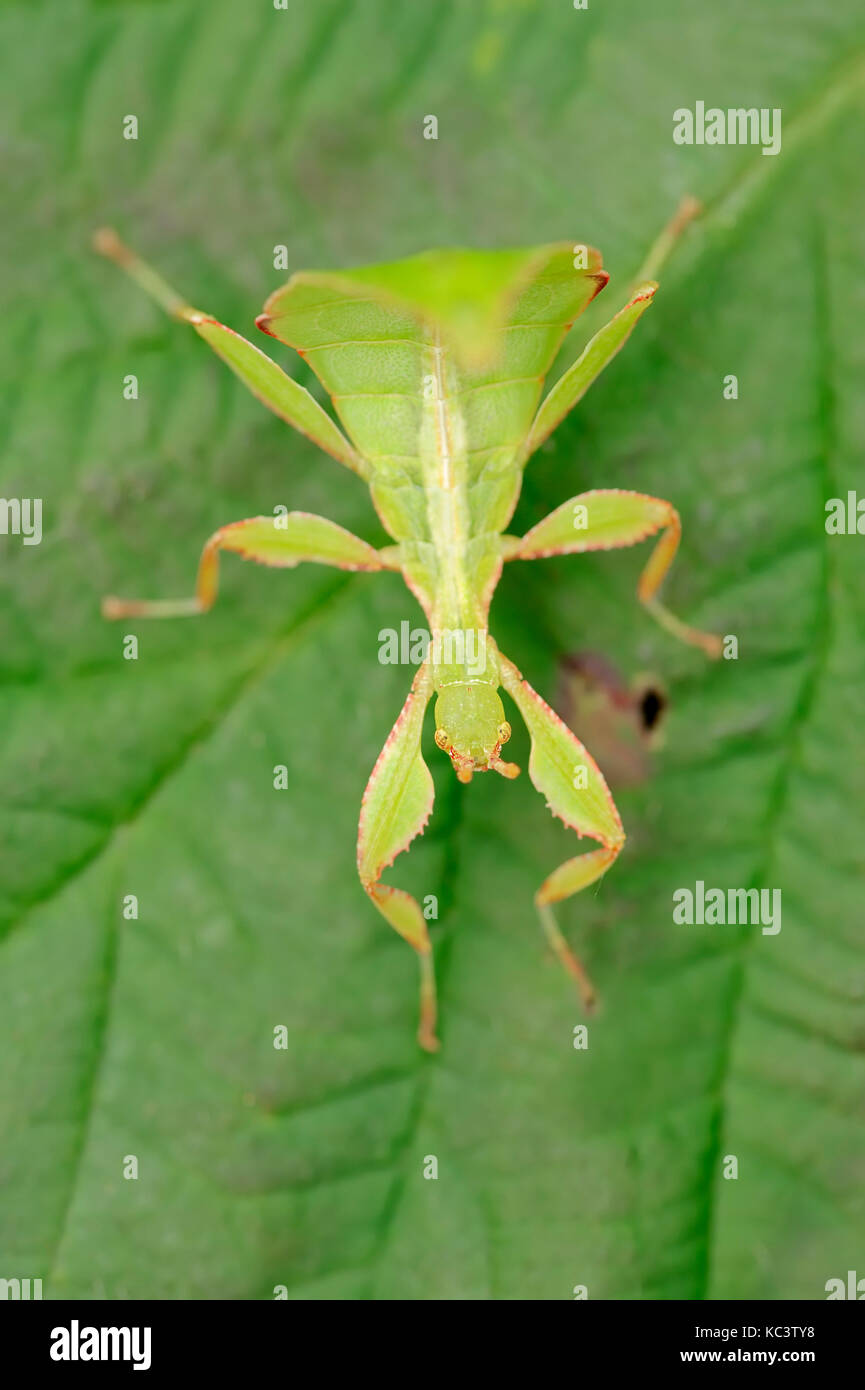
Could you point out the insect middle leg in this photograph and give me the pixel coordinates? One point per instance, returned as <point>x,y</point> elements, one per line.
<point>607,519</point>
<point>279,541</point>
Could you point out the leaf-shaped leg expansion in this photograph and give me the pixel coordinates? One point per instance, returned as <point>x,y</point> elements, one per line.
<point>606,519</point>
<point>396,806</point>
<point>279,541</point>
<point>267,381</point>
<point>573,384</point>
<point>570,779</point>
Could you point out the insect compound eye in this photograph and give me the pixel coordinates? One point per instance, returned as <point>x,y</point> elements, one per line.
<point>504,732</point>
<point>442,738</point>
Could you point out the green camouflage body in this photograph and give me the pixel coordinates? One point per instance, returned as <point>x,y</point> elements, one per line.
<point>435,366</point>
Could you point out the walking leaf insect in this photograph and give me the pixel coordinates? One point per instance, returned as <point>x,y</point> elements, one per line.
<point>435,366</point>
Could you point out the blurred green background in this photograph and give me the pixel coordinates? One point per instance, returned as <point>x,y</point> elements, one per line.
<point>154,1037</point>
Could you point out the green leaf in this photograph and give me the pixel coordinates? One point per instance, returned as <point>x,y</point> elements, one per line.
<point>153,1036</point>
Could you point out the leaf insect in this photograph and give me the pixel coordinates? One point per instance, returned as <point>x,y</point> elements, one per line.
<point>435,366</point>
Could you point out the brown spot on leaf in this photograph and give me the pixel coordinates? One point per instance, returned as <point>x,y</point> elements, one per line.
<point>620,722</point>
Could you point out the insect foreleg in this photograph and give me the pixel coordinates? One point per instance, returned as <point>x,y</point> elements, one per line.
<point>396,806</point>
<point>575,790</point>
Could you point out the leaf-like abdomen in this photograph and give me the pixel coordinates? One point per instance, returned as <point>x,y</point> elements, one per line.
<point>497,317</point>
